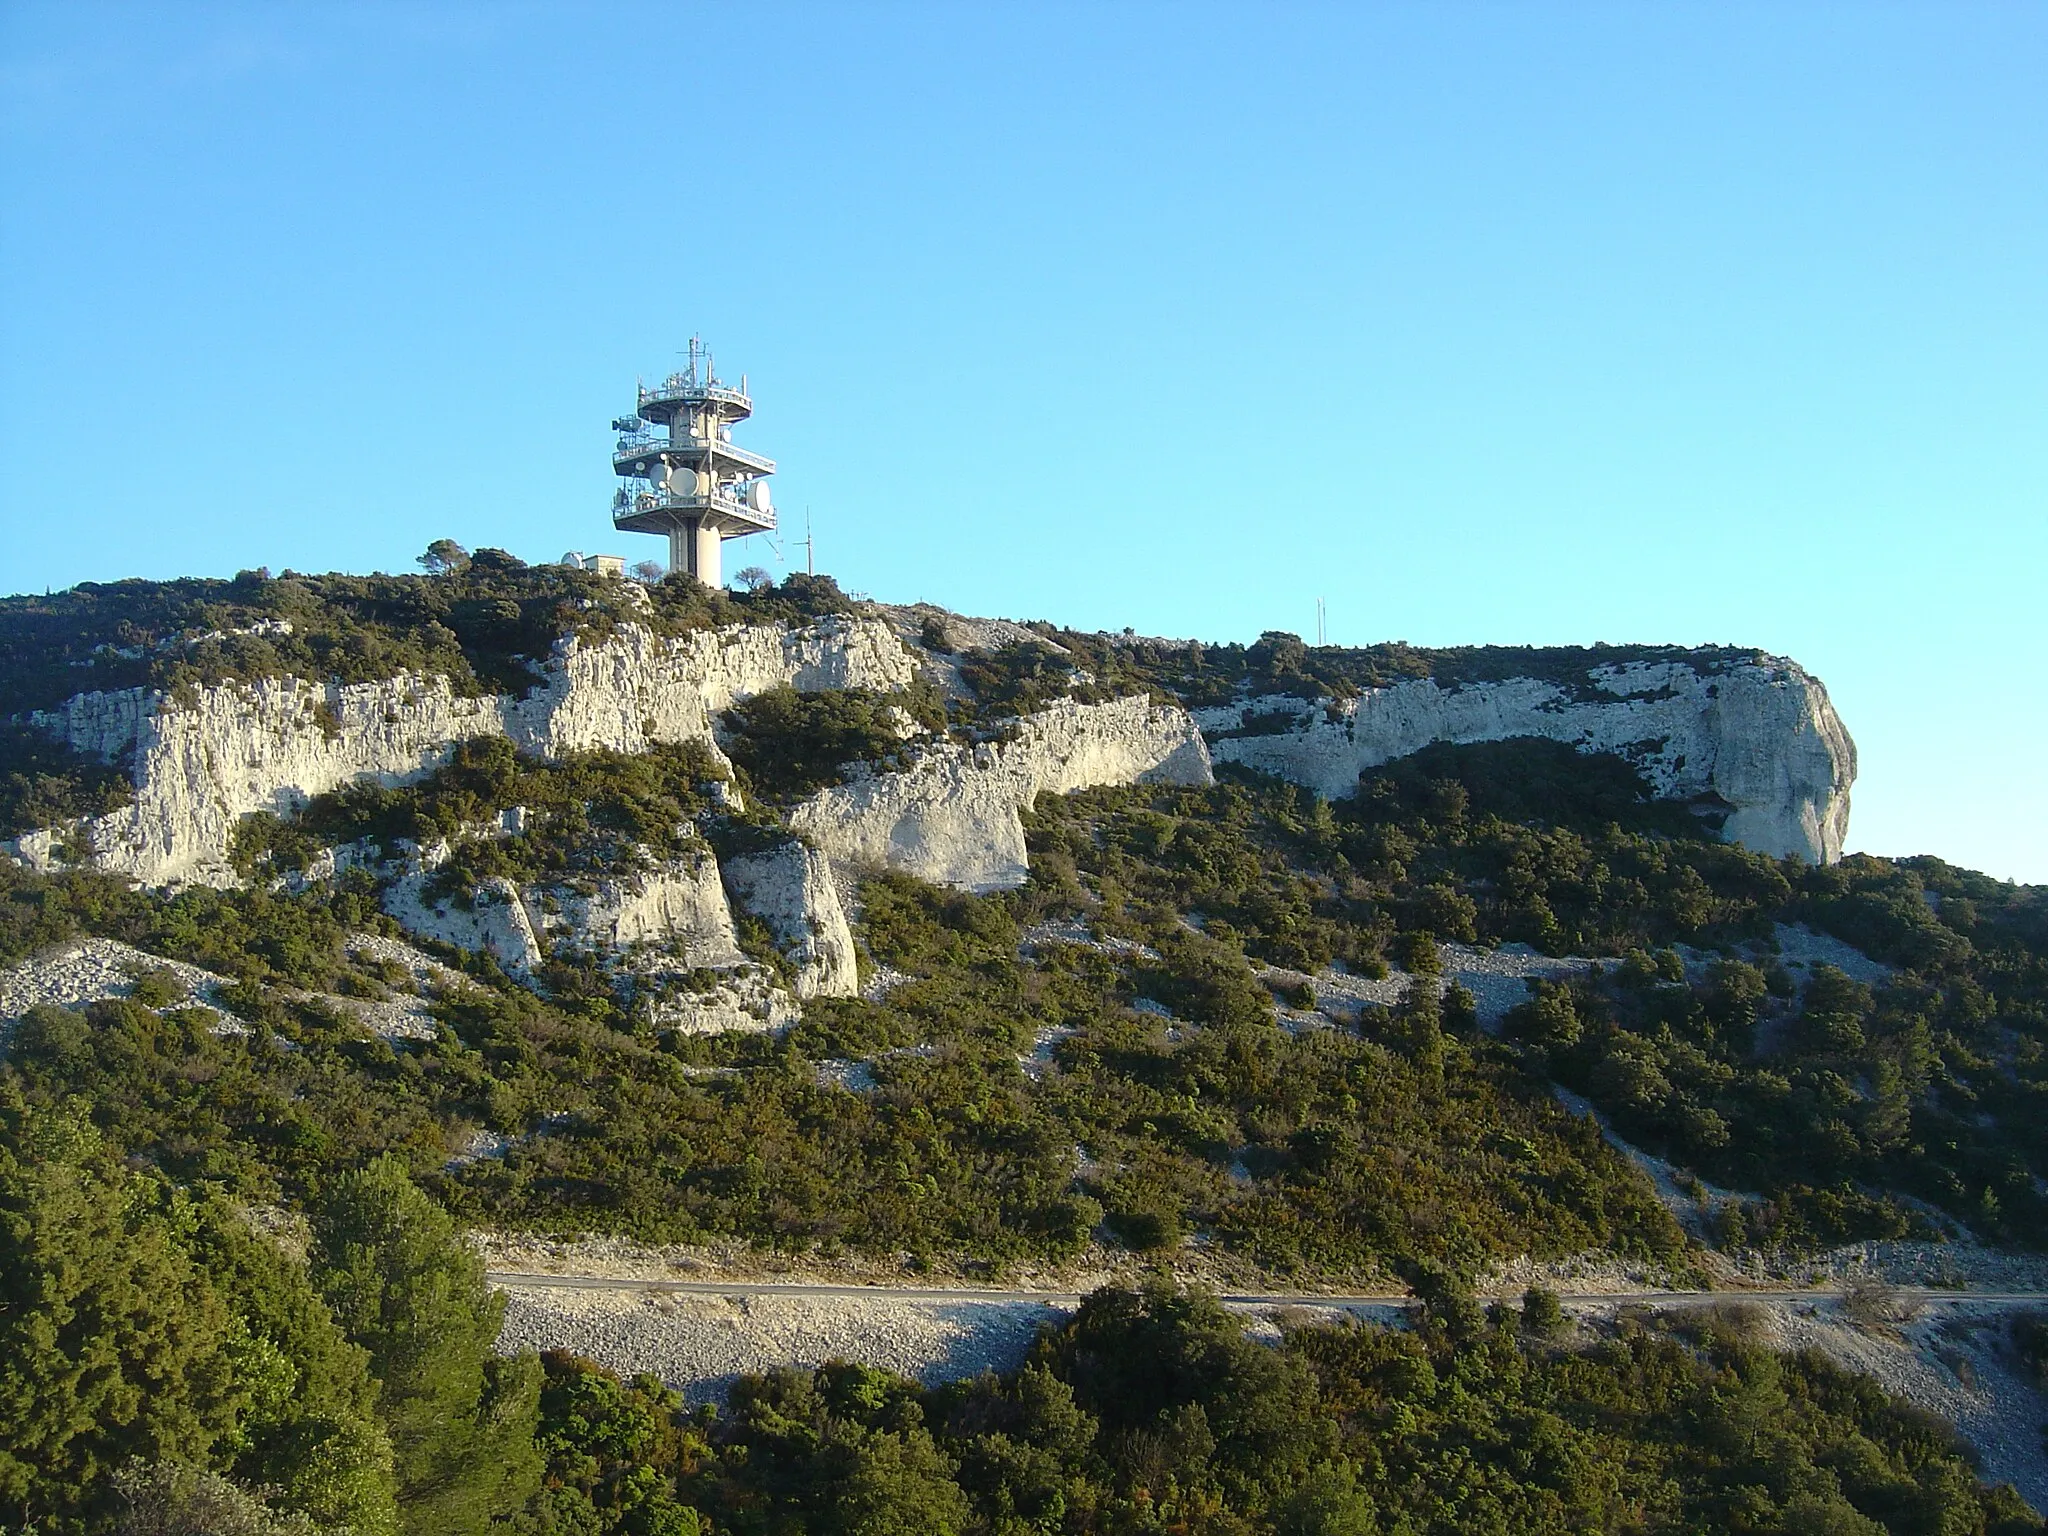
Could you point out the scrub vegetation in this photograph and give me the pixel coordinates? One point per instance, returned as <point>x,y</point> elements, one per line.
<point>233,1296</point>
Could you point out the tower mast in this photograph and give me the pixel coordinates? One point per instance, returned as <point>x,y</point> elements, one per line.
<point>684,476</point>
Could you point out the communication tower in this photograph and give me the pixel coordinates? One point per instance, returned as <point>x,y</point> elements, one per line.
<point>684,475</point>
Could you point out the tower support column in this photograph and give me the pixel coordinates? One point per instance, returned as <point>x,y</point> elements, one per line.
<point>693,547</point>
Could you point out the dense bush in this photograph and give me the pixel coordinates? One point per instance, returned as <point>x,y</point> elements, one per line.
<point>43,783</point>
<point>787,744</point>
<point>1095,666</point>
<point>1152,1412</point>
<point>486,624</point>
<point>138,1320</point>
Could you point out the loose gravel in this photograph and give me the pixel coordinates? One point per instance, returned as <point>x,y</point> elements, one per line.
<point>700,1344</point>
<point>86,971</point>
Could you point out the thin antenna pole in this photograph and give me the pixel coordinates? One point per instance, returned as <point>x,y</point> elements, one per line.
<point>1322,624</point>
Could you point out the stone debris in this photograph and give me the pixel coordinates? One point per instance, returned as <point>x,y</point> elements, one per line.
<point>486,1145</point>
<point>700,1344</point>
<point>883,980</point>
<point>839,1072</point>
<point>858,1075</point>
<point>1043,1057</point>
<point>1498,980</point>
<point>1073,931</point>
<point>427,974</point>
<point>396,1018</point>
<point>1800,949</point>
<point>86,971</point>
<point>482,1146</point>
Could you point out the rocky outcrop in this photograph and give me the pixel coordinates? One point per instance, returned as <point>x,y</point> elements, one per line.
<point>1761,737</point>
<point>203,764</point>
<point>493,919</point>
<point>677,909</point>
<point>638,688</point>
<point>746,1000</point>
<point>953,816</point>
<point>669,915</point>
<point>790,888</point>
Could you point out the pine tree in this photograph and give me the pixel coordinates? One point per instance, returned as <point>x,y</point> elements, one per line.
<point>403,1285</point>
<point>112,1345</point>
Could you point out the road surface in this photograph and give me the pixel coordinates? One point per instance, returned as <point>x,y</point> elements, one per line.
<point>539,1280</point>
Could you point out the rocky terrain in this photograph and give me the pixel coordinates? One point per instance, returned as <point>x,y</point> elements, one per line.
<point>1760,739</point>
<point>1086,959</point>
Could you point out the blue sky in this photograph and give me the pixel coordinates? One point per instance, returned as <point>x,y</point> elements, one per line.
<point>1484,322</point>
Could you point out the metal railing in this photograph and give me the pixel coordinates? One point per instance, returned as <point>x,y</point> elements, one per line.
<point>640,447</point>
<point>643,502</point>
<point>680,387</point>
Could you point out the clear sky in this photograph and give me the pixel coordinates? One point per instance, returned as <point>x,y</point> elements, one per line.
<point>1515,323</point>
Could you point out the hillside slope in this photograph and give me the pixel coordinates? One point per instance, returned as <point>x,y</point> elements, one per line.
<point>943,945</point>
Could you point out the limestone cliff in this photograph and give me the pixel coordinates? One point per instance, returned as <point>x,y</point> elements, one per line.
<point>1761,737</point>
<point>953,816</point>
<point>492,919</point>
<point>790,888</point>
<point>677,908</point>
<point>201,765</point>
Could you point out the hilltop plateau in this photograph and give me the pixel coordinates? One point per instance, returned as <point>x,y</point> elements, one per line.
<point>857,941</point>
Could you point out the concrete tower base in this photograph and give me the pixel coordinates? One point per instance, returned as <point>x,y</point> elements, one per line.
<point>694,548</point>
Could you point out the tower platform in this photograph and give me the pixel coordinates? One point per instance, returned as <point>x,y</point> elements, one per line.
<point>691,481</point>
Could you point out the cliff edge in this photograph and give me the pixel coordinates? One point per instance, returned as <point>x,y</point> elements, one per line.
<point>1758,742</point>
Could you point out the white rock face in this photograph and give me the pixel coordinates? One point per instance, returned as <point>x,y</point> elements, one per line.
<point>273,744</point>
<point>679,906</point>
<point>496,921</point>
<point>791,889</point>
<point>952,817</point>
<point>745,1000</point>
<point>1763,737</point>
<point>638,688</point>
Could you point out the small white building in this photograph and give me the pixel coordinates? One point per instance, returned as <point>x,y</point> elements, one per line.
<point>604,565</point>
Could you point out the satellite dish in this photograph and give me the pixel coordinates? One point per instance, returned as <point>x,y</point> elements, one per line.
<point>757,495</point>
